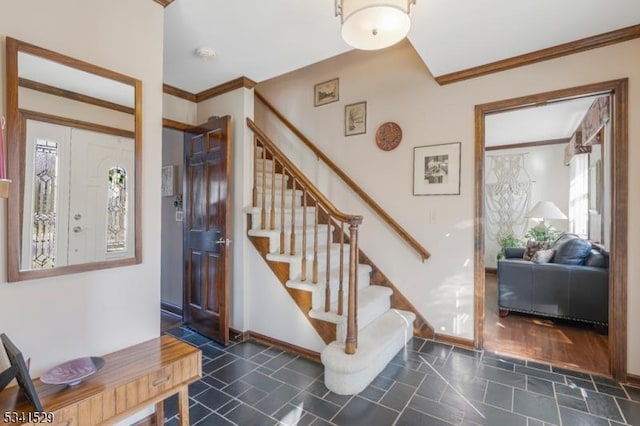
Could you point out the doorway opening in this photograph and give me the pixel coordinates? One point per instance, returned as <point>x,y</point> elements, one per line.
<point>614,229</point>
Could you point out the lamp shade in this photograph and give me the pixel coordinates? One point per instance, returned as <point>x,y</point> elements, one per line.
<point>546,210</point>
<point>374,24</point>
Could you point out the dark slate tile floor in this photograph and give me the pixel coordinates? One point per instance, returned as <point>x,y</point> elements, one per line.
<point>428,383</point>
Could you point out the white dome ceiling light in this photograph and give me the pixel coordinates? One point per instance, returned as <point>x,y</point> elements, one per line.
<point>204,52</point>
<point>374,24</point>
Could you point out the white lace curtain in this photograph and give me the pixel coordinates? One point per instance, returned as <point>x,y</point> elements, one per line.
<point>507,195</point>
<point>579,195</point>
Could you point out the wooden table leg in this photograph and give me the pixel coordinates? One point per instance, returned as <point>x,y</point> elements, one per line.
<point>183,405</point>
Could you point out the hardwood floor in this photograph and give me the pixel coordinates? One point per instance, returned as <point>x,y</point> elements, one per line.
<point>564,343</point>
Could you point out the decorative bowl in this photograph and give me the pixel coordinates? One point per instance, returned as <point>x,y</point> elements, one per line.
<point>72,372</point>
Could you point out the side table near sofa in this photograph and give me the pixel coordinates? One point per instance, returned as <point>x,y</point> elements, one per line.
<point>574,285</point>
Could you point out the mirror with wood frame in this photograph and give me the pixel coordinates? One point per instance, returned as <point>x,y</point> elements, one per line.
<point>74,155</point>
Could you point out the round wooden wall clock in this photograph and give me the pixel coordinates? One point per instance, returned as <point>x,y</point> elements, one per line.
<point>388,136</point>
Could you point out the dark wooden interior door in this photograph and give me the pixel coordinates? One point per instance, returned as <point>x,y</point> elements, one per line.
<point>207,227</point>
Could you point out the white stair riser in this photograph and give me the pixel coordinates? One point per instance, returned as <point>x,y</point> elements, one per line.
<point>297,200</point>
<point>266,163</point>
<point>365,316</point>
<point>269,181</point>
<point>274,240</point>
<point>318,295</point>
<point>295,267</point>
<point>299,215</point>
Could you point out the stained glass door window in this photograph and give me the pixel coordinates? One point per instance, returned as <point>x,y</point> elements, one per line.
<point>117,210</point>
<point>43,246</point>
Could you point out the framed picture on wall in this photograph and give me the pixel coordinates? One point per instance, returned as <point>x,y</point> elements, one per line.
<point>326,92</point>
<point>168,181</point>
<point>436,169</point>
<point>355,119</point>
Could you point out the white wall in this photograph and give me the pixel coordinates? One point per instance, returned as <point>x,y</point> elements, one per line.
<point>171,261</point>
<point>397,87</point>
<point>179,109</point>
<point>94,313</point>
<point>550,182</point>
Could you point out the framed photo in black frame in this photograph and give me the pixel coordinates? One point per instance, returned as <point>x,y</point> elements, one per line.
<point>20,372</point>
<point>436,169</point>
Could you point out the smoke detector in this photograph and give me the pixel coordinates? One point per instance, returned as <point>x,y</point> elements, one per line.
<point>204,52</point>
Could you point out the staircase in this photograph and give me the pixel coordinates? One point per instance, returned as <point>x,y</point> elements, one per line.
<point>314,248</point>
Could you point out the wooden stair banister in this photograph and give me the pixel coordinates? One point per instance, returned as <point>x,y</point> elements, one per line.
<point>310,194</point>
<point>422,252</point>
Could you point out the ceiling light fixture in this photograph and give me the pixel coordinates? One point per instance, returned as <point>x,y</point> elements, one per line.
<point>374,24</point>
<point>204,52</point>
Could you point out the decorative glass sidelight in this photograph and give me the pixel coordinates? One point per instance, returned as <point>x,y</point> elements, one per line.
<point>117,210</point>
<point>43,245</point>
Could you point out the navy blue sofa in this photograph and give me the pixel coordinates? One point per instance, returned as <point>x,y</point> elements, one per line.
<point>577,290</point>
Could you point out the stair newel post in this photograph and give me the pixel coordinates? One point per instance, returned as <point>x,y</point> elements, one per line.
<point>293,217</point>
<point>341,287</point>
<point>255,172</point>
<point>263,213</point>
<point>327,290</point>
<point>351,342</point>
<point>272,214</point>
<point>303,272</point>
<point>314,278</point>
<point>282,190</point>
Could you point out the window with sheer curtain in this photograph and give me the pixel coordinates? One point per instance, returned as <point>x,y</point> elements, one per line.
<point>579,195</point>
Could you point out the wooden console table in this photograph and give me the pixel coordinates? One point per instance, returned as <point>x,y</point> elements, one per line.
<point>131,379</point>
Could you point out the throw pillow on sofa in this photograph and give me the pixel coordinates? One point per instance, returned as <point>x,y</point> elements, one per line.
<point>543,256</point>
<point>531,249</point>
<point>598,259</point>
<point>571,251</point>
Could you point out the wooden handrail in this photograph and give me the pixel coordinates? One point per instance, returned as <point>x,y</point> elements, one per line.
<point>351,219</point>
<point>424,254</point>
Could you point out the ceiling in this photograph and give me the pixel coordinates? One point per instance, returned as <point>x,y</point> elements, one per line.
<point>263,39</point>
<point>537,123</point>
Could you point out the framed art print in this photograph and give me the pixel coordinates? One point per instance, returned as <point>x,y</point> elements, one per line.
<point>168,181</point>
<point>355,119</point>
<point>436,169</point>
<point>326,92</point>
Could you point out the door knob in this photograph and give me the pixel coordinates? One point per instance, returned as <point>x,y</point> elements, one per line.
<point>225,241</point>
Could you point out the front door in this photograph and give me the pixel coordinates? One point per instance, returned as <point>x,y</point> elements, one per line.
<point>207,228</point>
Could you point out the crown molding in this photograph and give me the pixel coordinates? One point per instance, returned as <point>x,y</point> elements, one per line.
<point>209,93</point>
<point>225,87</point>
<point>178,93</point>
<point>600,40</point>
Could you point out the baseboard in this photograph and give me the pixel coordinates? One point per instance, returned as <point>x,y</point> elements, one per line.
<point>171,308</point>
<point>454,340</point>
<point>238,336</point>
<point>633,380</point>
<point>285,346</point>
<point>243,336</point>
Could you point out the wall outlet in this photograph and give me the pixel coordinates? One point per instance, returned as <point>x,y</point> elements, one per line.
<point>179,215</point>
